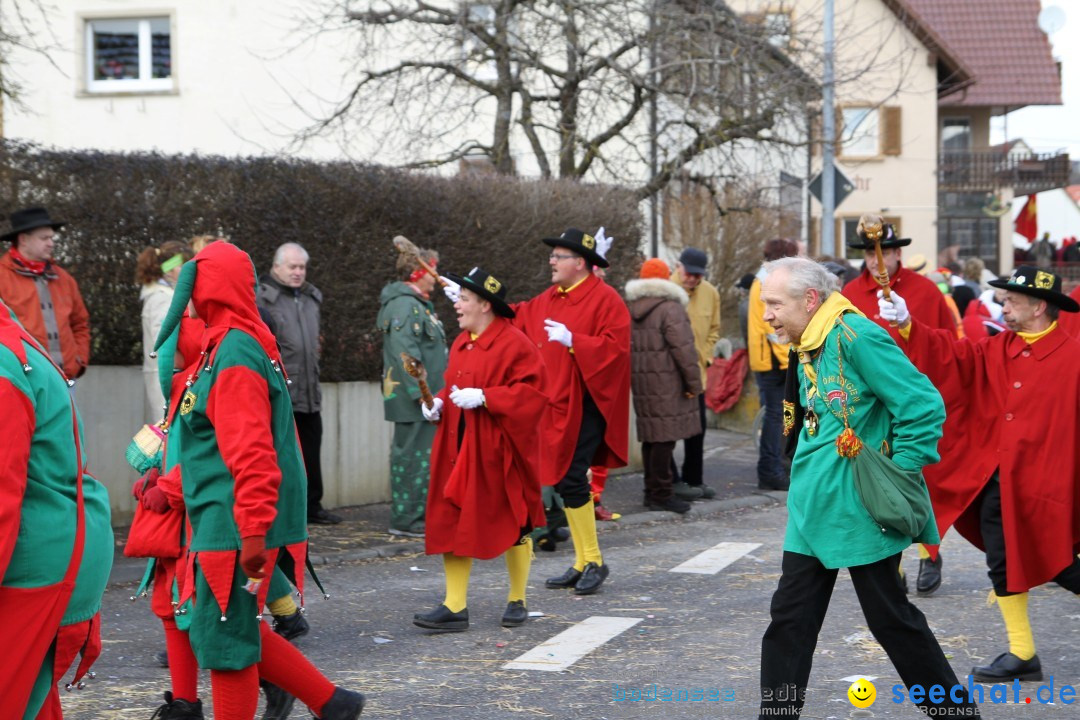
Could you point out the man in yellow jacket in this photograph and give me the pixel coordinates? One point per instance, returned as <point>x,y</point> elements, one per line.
<point>769,361</point>
<point>704,311</point>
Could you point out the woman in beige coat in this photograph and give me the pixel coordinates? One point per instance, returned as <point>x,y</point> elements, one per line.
<point>664,377</point>
<point>156,270</point>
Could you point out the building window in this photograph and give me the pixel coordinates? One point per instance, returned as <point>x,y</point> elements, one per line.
<point>956,134</point>
<point>860,136</point>
<point>129,55</point>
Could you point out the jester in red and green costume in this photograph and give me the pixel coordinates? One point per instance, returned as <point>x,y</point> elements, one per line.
<point>56,542</point>
<point>244,490</point>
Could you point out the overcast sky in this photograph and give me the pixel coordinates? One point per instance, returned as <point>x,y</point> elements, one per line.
<point>1052,127</point>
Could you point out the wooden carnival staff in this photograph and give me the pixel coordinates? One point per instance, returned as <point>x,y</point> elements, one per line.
<point>406,247</point>
<point>874,230</point>
<point>415,368</point>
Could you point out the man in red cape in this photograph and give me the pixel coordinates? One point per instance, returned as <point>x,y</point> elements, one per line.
<point>1019,501</point>
<point>582,328</point>
<point>928,305</point>
<point>484,497</point>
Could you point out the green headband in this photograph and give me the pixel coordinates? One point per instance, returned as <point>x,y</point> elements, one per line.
<point>172,263</point>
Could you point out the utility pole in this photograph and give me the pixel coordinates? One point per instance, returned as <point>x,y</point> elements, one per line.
<point>654,201</point>
<point>828,197</point>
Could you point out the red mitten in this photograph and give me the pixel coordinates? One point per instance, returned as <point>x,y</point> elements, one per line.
<point>144,483</point>
<point>155,500</point>
<point>253,556</point>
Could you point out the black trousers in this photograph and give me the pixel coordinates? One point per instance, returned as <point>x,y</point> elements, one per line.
<point>574,487</point>
<point>798,610</point>
<point>309,429</point>
<point>693,454</point>
<point>989,503</point>
<point>656,457</point>
<point>770,466</point>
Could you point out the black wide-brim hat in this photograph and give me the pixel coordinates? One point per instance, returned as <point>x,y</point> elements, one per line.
<point>1030,280</point>
<point>580,242</point>
<point>888,240</point>
<point>29,219</point>
<point>485,285</point>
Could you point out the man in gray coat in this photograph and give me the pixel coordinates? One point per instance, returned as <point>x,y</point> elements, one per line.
<point>293,304</point>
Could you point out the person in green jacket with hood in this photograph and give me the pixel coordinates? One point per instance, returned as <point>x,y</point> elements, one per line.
<point>857,395</point>
<point>409,325</point>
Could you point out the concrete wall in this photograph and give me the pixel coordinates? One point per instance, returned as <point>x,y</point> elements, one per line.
<point>355,449</point>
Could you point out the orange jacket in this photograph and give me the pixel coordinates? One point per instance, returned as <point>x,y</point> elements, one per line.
<point>19,292</point>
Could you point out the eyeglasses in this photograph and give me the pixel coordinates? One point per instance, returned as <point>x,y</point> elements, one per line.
<point>558,256</point>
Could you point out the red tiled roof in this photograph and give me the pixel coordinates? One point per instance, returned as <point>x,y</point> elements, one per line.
<point>961,75</point>
<point>1001,42</point>
<point>1074,193</point>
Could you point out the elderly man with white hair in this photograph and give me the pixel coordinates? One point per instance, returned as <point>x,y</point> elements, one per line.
<point>294,305</point>
<point>866,423</point>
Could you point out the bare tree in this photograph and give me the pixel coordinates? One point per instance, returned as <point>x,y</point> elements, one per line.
<point>575,88</point>
<point>24,27</point>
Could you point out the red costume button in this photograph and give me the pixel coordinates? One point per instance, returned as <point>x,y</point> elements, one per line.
<point>1016,384</point>
<point>1008,416</point>
<point>1026,353</point>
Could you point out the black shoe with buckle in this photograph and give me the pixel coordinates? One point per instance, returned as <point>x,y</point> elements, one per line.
<point>342,705</point>
<point>592,577</point>
<point>1006,668</point>
<point>929,578</point>
<point>178,709</point>
<point>292,626</point>
<point>516,614</point>
<point>322,517</point>
<point>278,702</point>
<point>442,620</point>
<point>567,580</point>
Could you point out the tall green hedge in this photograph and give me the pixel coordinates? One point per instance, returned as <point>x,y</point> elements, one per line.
<point>344,214</point>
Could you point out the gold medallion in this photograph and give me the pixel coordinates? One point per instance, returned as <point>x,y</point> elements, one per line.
<point>188,403</point>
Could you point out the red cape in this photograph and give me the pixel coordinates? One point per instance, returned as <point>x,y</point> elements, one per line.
<point>926,303</point>
<point>599,363</point>
<point>1023,405</point>
<point>484,493</point>
<point>1070,322</point>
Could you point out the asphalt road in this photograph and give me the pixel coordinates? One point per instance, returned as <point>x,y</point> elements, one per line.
<point>694,631</point>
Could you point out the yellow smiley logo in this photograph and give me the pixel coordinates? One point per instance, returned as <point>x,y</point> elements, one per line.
<point>862,693</point>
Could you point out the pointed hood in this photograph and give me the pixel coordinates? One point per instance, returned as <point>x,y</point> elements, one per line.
<point>220,282</point>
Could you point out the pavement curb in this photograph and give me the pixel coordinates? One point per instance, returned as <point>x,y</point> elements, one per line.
<point>700,510</point>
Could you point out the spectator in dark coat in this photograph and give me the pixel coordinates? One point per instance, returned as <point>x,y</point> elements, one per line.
<point>664,377</point>
<point>294,306</point>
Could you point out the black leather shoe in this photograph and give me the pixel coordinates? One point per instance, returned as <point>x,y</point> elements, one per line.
<point>592,577</point>
<point>178,709</point>
<point>672,504</point>
<point>291,626</point>
<point>278,702</point>
<point>1006,668</point>
<point>516,614</point>
<point>322,517</point>
<point>929,578</point>
<point>342,705</point>
<point>442,620</point>
<point>567,580</point>
<point>779,483</point>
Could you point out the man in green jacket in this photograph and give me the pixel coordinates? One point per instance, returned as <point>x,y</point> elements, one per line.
<point>848,380</point>
<point>409,325</point>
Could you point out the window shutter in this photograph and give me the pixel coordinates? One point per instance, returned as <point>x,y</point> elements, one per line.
<point>891,140</point>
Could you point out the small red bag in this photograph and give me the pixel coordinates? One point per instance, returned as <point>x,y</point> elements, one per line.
<point>154,535</point>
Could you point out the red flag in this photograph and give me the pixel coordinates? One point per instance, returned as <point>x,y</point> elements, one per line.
<point>1027,223</point>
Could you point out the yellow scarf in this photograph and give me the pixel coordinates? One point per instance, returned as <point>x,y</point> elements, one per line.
<point>1032,338</point>
<point>823,321</point>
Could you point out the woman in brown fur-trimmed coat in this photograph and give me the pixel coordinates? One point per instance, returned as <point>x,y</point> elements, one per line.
<point>664,377</point>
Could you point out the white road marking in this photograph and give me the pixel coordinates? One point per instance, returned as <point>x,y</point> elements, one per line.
<point>572,644</point>
<point>716,558</point>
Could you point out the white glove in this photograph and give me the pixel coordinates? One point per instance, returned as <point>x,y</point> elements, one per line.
<point>433,413</point>
<point>451,289</point>
<point>603,243</point>
<point>467,398</point>
<point>557,332</point>
<point>894,310</point>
